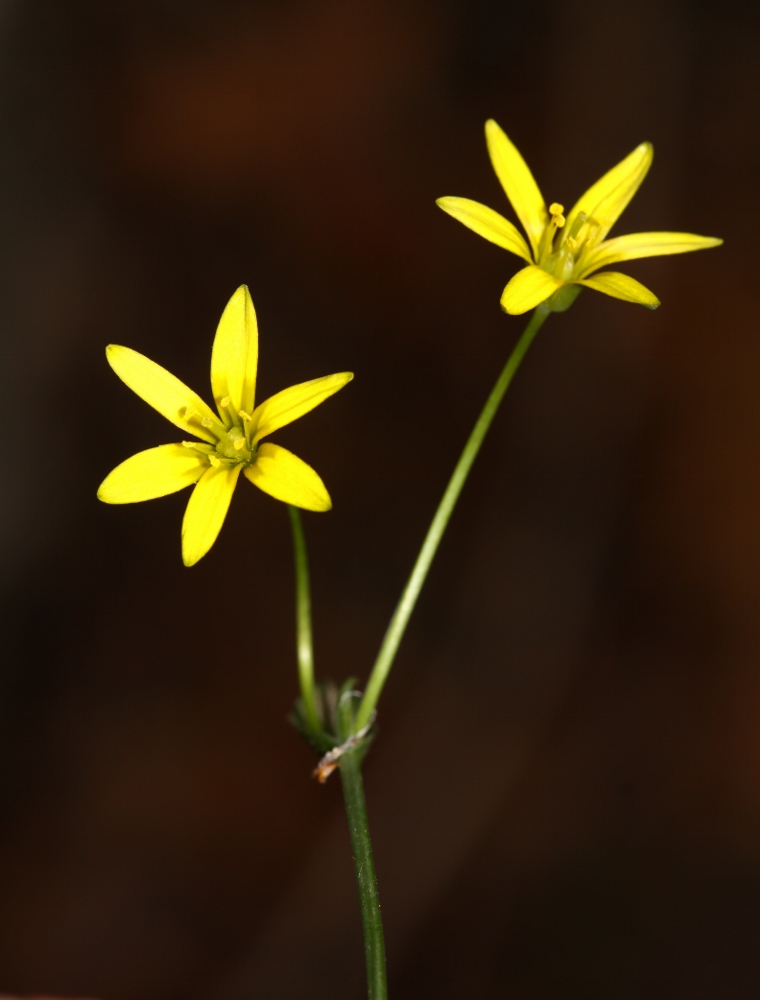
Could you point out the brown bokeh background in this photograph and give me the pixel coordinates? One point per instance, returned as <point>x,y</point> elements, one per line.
<point>565,794</point>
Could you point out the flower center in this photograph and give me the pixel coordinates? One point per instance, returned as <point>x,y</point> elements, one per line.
<point>576,240</point>
<point>234,434</point>
<point>233,446</point>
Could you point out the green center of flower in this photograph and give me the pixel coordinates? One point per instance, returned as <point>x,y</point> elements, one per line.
<point>234,433</point>
<point>233,446</point>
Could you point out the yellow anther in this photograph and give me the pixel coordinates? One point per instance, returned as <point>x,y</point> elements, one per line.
<point>214,461</point>
<point>571,242</point>
<point>558,220</point>
<point>225,401</point>
<point>244,415</point>
<point>556,209</point>
<point>207,422</point>
<point>189,444</point>
<point>240,443</point>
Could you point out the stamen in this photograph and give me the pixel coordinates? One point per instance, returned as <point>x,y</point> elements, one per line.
<point>189,444</point>
<point>194,416</point>
<point>592,238</point>
<point>225,402</point>
<point>247,425</point>
<point>215,461</point>
<point>240,443</point>
<point>557,213</point>
<point>571,242</point>
<point>546,245</point>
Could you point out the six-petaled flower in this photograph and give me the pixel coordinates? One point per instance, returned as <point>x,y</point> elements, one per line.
<point>564,250</point>
<point>229,441</point>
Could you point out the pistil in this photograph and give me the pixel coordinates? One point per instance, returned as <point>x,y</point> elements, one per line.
<point>571,247</point>
<point>233,448</point>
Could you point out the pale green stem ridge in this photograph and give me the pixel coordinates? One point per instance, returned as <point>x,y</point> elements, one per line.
<point>414,584</point>
<point>304,643</point>
<point>358,828</point>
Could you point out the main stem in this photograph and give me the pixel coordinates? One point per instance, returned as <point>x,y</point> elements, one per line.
<point>358,828</point>
<point>304,642</point>
<point>414,585</point>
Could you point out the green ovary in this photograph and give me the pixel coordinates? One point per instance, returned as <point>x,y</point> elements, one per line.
<point>233,446</point>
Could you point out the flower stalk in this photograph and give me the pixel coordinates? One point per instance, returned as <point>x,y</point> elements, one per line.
<point>304,641</point>
<point>419,573</point>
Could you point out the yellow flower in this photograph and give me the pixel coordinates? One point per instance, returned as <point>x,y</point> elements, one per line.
<point>229,444</point>
<point>566,249</point>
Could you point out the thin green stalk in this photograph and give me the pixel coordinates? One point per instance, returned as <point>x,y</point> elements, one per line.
<point>304,643</point>
<point>437,527</point>
<point>358,828</point>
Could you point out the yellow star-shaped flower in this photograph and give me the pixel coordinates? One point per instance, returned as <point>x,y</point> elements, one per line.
<point>230,442</point>
<point>564,250</point>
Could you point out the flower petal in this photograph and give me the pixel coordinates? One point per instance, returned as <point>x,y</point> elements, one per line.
<point>286,477</point>
<point>206,511</point>
<point>621,286</point>
<point>165,393</point>
<point>290,404</point>
<point>518,183</point>
<point>152,473</point>
<point>234,356</point>
<point>638,245</point>
<point>527,289</point>
<point>604,201</point>
<point>488,224</point>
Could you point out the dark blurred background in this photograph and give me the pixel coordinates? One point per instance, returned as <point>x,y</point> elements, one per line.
<point>565,794</point>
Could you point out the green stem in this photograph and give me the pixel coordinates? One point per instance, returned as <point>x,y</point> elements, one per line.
<point>414,585</point>
<point>304,644</point>
<point>358,828</point>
